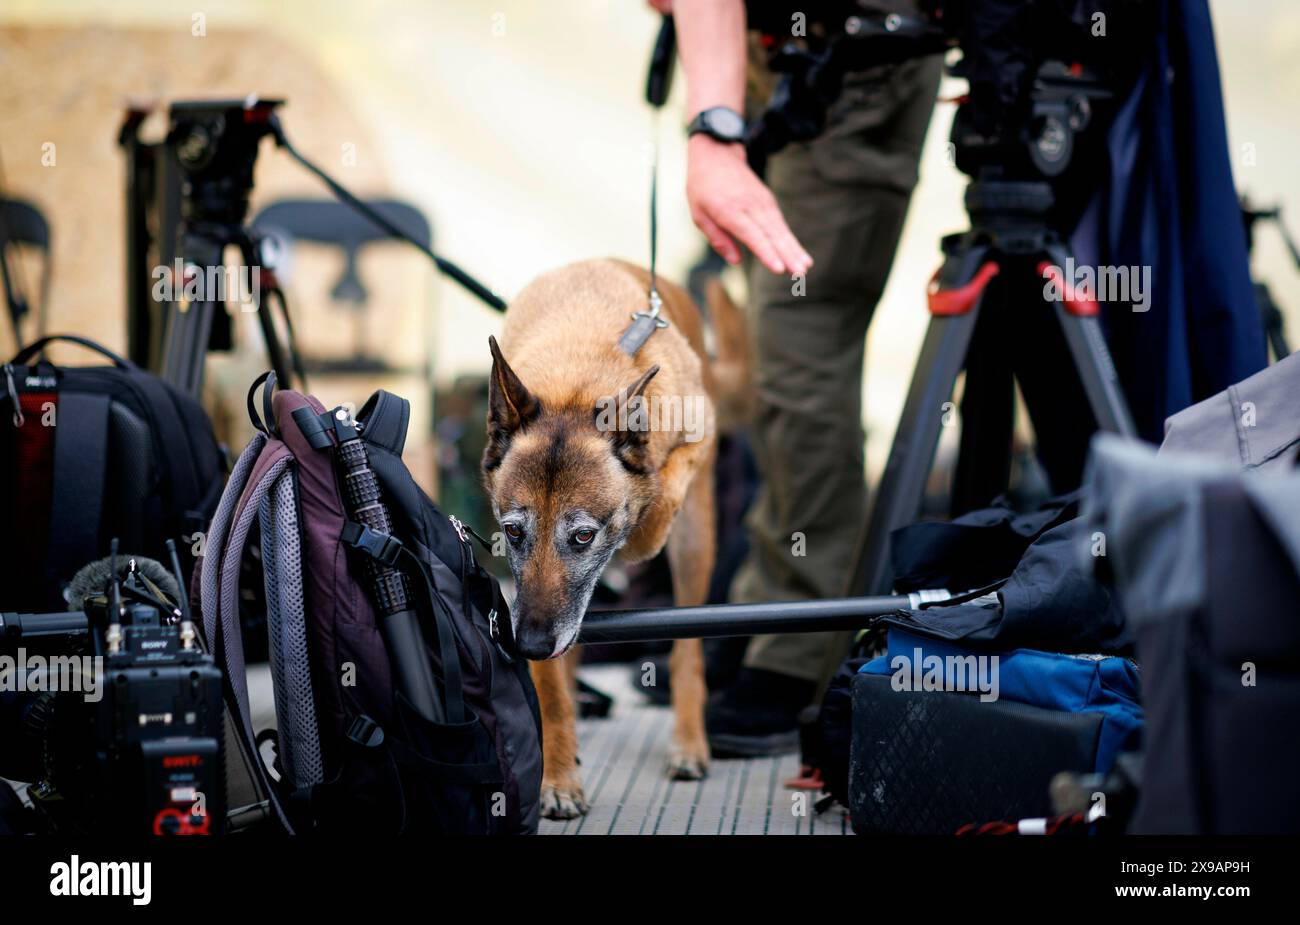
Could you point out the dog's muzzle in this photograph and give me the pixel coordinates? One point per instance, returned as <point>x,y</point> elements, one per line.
<point>537,641</point>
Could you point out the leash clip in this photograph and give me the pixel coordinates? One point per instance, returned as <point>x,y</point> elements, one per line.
<point>656,306</point>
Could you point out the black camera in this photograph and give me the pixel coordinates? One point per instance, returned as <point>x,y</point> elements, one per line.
<point>1037,71</point>
<point>122,707</point>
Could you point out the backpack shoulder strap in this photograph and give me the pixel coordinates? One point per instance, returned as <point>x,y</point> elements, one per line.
<point>299,740</point>
<point>386,417</point>
<point>208,566</point>
<point>80,471</point>
<point>258,468</point>
<point>178,449</point>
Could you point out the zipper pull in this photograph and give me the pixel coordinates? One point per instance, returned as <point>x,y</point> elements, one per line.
<point>18,418</point>
<point>494,633</point>
<point>458,527</point>
<point>465,531</point>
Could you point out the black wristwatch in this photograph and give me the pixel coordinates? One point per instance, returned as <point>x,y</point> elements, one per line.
<point>720,123</point>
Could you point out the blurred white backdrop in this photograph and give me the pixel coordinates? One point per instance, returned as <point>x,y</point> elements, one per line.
<point>519,127</point>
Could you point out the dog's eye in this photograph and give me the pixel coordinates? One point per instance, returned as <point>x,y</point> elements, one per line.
<point>584,536</point>
<point>514,531</point>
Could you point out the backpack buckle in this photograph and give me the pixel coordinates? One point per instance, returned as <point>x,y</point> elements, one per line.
<point>383,547</point>
<point>365,731</point>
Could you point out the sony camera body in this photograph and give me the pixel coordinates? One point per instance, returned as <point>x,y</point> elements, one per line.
<point>127,716</point>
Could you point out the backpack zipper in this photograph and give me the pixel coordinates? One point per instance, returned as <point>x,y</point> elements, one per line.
<point>465,532</point>
<point>493,618</point>
<point>458,527</point>
<point>18,418</point>
<point>494,632</point>
<point>465,605</point>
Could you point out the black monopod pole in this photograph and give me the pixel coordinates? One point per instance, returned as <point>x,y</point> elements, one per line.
<point>739,619</point>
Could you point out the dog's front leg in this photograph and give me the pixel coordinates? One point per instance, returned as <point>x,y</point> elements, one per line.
<point>688,758</point>
<point>690,558</point>
<point>562,796</point>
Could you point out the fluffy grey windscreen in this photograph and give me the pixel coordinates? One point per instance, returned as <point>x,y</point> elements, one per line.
<point>94,579</point>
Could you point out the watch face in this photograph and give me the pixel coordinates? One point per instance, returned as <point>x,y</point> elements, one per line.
<point>727,123</point>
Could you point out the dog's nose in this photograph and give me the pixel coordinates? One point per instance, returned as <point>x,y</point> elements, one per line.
<point>534,641</point>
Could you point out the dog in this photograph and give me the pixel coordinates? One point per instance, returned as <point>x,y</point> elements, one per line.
<point>592,453</point>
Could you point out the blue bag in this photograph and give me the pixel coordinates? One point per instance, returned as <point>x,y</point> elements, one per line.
<point>1070,683</point>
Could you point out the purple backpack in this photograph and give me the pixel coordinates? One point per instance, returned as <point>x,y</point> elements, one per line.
<point>351,752</point>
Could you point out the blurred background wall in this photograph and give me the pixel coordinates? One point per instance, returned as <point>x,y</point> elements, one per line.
<point>517,126</point>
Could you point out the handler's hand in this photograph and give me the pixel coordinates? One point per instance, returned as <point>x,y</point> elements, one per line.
<point>727,198</point>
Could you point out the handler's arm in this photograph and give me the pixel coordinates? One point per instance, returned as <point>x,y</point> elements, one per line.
<point>726,198</point>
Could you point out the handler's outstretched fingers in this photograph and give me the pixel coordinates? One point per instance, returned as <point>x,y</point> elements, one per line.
<point>755,238</point>
<point>718,239</point>
<point>792,253</point>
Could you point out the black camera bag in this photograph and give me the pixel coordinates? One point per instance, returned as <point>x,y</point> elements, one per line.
<point>94,452</point>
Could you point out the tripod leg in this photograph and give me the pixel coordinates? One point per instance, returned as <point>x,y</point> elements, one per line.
<point>987,407</point>
<point>185,345</point>
<point>898,497</point>
<point>274,350</point>
<point>286,374</point>
<point>1091,356</point>
<point>188,330</point>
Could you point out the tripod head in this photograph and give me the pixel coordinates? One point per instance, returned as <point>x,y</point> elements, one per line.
<point>1060,106</point>
<point>215,143</point>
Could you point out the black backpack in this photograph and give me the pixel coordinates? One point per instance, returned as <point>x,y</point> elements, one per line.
<point>91,453</point>
<point>351,753</point>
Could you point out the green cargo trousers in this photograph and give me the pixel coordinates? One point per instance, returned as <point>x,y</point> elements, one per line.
<point>845,196</point>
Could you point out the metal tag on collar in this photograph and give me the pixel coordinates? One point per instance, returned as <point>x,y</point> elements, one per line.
<point>643,325</point>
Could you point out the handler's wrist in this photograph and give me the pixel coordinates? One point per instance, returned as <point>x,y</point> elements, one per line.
<point>702,146</point>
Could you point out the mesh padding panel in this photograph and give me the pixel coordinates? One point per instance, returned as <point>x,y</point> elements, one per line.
<point>295,707</point>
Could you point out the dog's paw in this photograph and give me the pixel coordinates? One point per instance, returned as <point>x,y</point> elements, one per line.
<point>688,762</point>
<point>563,800</point>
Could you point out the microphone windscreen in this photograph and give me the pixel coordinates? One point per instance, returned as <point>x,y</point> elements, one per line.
<point>93,579</point>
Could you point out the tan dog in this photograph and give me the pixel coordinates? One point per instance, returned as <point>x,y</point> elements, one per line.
<point>593,453</point>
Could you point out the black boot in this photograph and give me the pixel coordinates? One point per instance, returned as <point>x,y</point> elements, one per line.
<point>758,714</point>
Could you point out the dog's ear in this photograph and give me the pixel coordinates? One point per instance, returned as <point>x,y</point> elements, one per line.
<point>510,407</point>
<point>631,431</point>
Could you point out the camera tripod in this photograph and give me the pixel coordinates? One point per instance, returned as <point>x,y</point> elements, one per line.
<point>990,272</point>
<point>215,145</point>
<point>203,174</point>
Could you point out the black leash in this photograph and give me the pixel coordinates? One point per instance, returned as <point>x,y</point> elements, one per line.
<point>658,82</point>
<point>473,286</point>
